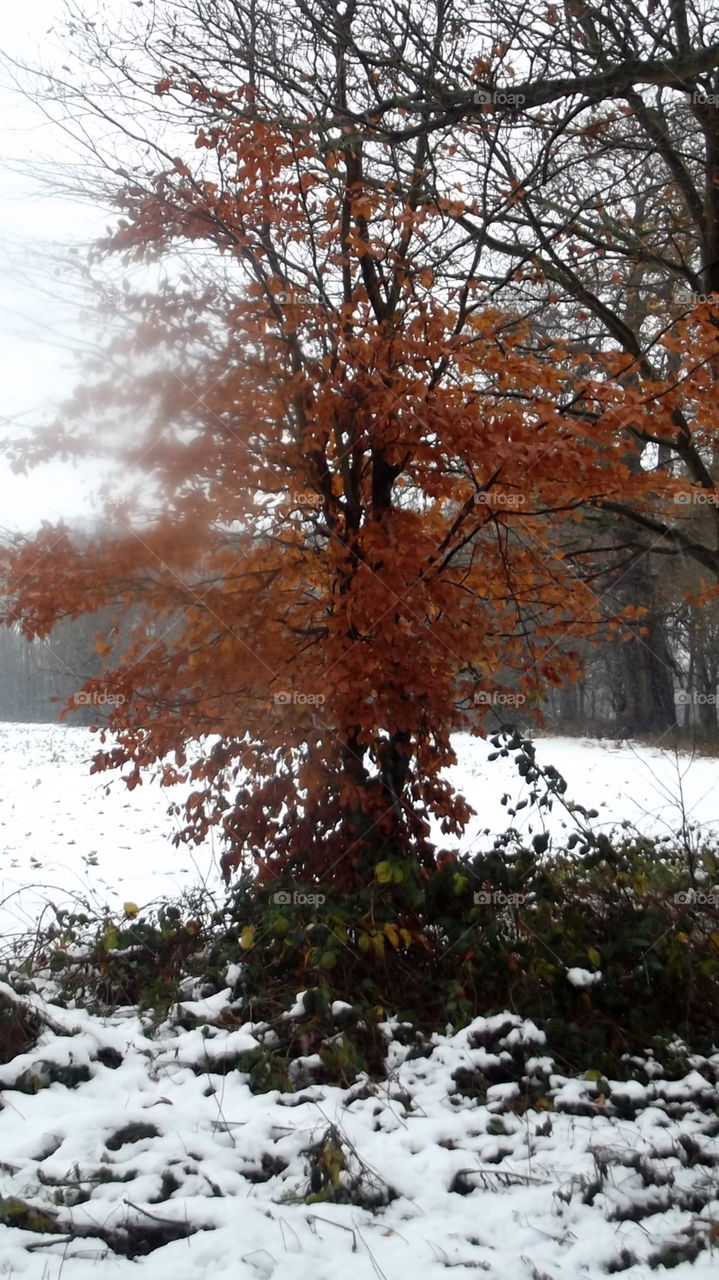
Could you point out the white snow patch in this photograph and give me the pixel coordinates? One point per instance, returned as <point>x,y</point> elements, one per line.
<point>583,978</point>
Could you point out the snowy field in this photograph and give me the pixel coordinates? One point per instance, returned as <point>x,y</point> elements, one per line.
<point>152,1138</point>
<point>143,1152</point>
<point>66,833</point>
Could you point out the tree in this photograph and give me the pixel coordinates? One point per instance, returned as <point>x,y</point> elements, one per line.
<point>356,461</point>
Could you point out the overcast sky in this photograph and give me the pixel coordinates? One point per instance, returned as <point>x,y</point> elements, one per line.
<point>38,302</point>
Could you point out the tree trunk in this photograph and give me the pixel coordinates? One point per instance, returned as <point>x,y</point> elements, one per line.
<point>646,666</point>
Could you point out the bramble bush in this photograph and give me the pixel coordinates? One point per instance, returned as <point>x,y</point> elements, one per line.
<point>478,933</point>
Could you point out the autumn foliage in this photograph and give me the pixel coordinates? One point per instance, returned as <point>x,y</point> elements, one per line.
<point>349,471</point>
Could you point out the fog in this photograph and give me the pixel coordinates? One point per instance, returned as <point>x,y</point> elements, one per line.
<point>43,239</point>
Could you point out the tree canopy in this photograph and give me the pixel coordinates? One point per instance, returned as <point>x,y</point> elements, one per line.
<point>385,367</point>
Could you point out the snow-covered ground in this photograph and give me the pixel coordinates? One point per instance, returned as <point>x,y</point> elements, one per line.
<point>112,1136</point>
<point>65,832</point>
<point>653,791</point>
<point>584,1182</point>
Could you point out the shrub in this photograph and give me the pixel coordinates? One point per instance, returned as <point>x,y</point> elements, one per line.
<point>610,944</point>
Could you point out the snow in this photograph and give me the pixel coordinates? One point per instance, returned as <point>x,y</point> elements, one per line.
<point>523,1210</point>
<point>583,978</point>
<point>339,1007</point>
<point>653,791</point>
<point>71,835</point>
<point>490,1188</point>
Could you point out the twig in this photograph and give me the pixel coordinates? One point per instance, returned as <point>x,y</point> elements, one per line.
<point>314,1217</point>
